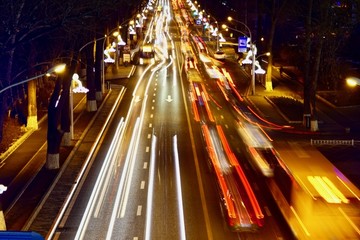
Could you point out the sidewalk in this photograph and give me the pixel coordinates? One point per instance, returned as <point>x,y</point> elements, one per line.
<point>19,200</point>
<point>332,120</point>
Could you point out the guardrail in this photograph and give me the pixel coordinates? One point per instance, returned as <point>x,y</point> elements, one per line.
<point>332,142</point>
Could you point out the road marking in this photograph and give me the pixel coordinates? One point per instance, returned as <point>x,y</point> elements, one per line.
<point>150,125</point>
<point>222,116</point>
<point>147,149</point>
<point>149,136</point>
<point>138,212</point>
<point>205,211</point>
<point>169,99</point>
<point>154,94</point>
<point>142,185</point>
<point>151,115</point>
<point>145,165</point>
<point>135,238</point>
<point>153,100</point>
<point>152,108</point>
<point>268,213</point>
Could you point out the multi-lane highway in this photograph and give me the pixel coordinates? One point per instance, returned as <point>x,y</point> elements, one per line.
<point>151,177</point>
<point>174,163</point>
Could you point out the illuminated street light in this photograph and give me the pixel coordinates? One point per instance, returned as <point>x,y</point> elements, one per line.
<point>252,48</point>
<point>218,54</point>
<point>56,69</point>
<point>353,81</point>
<point>2,218</point>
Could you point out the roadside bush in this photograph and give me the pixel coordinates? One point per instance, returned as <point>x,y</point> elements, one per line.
<point>289,107</point>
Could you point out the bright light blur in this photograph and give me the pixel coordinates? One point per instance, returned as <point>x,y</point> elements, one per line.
<point>60,68</point>
<point>352,82</point>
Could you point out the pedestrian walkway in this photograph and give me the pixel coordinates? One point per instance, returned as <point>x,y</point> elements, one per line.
<point>287,82</point>
<point>113,72</point>
<point>31,149</point>
<point>68,179</point>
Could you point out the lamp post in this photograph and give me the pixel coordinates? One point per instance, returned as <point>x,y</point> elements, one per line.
<point>353,81</point>
<point>56,69</point>
<point>218,54</point>
<point>32,120</point>
<point>2,218</point>
<point>102,63</point>
<point>79,89</point>
<point>252,48</point>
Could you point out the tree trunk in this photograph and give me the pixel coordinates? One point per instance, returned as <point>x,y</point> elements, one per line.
<point>65,112</point>
<point>307,80</point>
<point>314,120</point>
<point>90,80</point>
<point>54,134</point>
<point>32,121</point>
<point>268,81</point>
<point>99,84</point>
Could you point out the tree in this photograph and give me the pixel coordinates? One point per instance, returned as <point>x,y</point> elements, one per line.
<point>326,25</point>
<point>274,11</point>
<point>54,30</point>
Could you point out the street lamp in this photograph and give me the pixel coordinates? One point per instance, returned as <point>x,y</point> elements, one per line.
<point>353,81</point>
<point>218,54</point>
<point>2,218</point>
<point>252,48</point>
<point>32,116</point>
<point>79,89</point>
<point>56,69</point>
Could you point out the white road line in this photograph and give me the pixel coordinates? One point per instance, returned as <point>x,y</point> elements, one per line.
<point>179,190</point>
<point>147,149</point>
<point>142,185</point>
<point>145,165</point>
<point>268,213</point>
<point>150,125</point>
<point>138,212</point>
<point>149,136</point>
<point>150,191</point>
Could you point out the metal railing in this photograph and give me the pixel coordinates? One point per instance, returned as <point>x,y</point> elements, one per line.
<point>350,142</point>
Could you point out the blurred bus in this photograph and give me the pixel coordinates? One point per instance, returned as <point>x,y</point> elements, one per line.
<point>315,198</point>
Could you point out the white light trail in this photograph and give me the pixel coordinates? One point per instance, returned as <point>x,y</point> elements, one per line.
<point>84,168</point>
<point>178,188</point>
<point>150,192</point>
<point>97,187</point>
<point>132,157</point>
<point>121,185</point>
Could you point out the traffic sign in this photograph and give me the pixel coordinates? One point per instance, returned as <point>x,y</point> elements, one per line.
<point>242,41</point>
